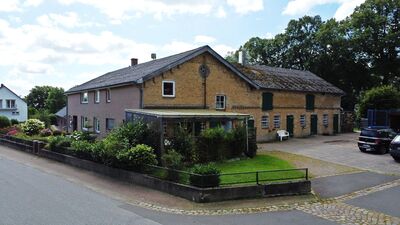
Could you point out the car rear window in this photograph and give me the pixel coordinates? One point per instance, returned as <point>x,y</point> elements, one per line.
<point>369,133</point>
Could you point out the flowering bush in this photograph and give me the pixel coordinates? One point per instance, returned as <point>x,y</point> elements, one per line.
<point>45,132</point>
<point>32,126</point>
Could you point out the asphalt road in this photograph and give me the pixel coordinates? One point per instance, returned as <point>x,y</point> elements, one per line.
<point>31,196</point>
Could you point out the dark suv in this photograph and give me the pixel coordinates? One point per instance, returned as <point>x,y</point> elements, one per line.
<point>375,140</point>
<point>395,148</point>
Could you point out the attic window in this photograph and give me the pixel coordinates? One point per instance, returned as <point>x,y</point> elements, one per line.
<point>168,88</point>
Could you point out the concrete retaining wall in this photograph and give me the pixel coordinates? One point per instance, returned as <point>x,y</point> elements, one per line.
<point>185,191</point>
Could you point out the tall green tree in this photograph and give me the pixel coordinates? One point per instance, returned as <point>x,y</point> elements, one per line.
<point>46,98</point>
<point>37,97</point>
<point>56,100</point>
<point>355,54</point>
<point>374,31</point>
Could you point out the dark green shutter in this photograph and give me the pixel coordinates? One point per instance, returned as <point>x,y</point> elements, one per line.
<point>310,99</point>
<point>267,101</point>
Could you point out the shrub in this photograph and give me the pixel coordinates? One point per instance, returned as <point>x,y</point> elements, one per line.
<point>183,143</point>
<point>14,122</point>
<point>137,133</point>
<point>59,143</point>
<point>82,149</point>
<point>137,157</point>
<point>83,136</point>
<point>57,133</point>
<point>45,132</point>
<point>236,141</point>
<point>173,160</point>
<point>32,126</point>
<point>382,97</point>
<point>12,131</point>
<point>4,122</point>
<point>204,175</point>
<point>106,151</point>
<point>211,145</point>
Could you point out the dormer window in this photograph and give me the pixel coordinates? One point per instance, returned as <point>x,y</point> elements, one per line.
<point>84,97</point>
<point>168,88</point>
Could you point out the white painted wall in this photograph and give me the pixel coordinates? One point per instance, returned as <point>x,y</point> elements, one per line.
<point>21,106</point>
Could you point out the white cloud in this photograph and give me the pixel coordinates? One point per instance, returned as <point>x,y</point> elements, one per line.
<point>246,6</point>
<point>33,2</point>
<point>223,50</point>
<point>301,7</point>
<point>16,5</point>
<point>347,8</point>
<point>220,12</point>
<point>203,39</point>
<point>68,20</point>
<point>38,55</point>
<point>9,6</point>
<point>119,10</point>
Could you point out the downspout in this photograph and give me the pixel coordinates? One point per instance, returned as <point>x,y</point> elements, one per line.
<point>247,134</point>
<point>67,115</point>
<point>205,92</point>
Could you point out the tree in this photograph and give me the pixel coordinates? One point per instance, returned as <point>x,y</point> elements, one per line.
<point>37,97</point>
<point>383,97</point>
<point>374,30</point>
<point>56,100</point>
<point>355,54</point>
<point>47,98</point>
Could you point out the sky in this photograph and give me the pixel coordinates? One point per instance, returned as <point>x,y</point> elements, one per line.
<point>64,43</point>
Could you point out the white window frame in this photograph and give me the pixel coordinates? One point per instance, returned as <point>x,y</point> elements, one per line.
<point>173,88</point>
<point>108,95</point>
<point>97,96</point>
<point>84,121</point>
<point>325,120</point>
<point>219,102</point>
<point>83,101</point>
<point>96,124</point>
<point>277,121</point>
<point>9,105</point>
<point>265,121</point>
<point>303,120</point>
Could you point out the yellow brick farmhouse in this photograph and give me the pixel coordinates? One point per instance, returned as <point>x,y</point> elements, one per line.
<point>202,85</point>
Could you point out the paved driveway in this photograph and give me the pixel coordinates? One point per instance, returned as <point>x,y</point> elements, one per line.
<point>340,149</point>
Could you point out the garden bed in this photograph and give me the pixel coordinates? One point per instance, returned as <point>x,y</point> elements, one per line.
<point>195,194</point>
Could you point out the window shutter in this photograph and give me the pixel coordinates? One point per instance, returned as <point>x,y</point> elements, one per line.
<point>310,99</point>
<point>267,101</point>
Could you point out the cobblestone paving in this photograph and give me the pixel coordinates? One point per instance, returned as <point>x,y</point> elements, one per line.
<point>333,209</point>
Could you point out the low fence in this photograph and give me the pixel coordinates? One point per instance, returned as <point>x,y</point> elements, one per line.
<point>228,179</point>
<point>194,187</point>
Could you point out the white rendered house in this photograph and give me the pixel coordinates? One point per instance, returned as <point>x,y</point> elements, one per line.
<point>11,105</point>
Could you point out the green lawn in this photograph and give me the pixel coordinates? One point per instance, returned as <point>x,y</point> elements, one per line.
<point>258,163</point>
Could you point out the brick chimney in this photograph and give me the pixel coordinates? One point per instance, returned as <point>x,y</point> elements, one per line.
<point>134,61</point>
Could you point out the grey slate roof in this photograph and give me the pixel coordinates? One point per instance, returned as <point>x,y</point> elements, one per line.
<point>258,76</point>
<point>62,112</point>
<point>147,70</point>
<point>276,78</point>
